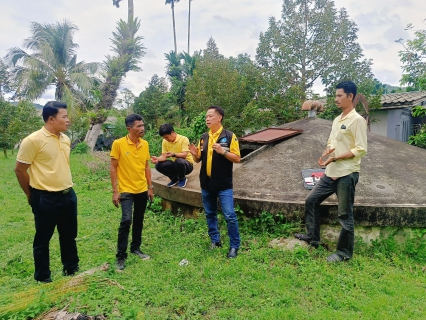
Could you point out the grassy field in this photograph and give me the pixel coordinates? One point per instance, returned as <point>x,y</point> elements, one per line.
<point>382,281</point>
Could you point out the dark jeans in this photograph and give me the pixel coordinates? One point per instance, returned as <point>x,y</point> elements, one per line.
<point>175,169</point>
<point>128,201</point>
<point>344,187</point>
<point>54,209</point>
<point>226,199</point>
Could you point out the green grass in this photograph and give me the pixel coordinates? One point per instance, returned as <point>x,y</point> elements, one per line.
<point>262,283</point>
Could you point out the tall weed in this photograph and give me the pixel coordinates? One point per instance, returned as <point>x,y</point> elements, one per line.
<point>267,223</point>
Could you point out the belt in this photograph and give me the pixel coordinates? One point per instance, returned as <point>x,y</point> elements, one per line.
<point>66,191</point>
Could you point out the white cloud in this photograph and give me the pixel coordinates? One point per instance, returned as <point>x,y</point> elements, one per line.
<point>235,25</point>
<point>374,46</point>
<point>224,20</point>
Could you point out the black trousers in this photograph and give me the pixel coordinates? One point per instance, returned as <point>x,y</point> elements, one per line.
<point>137,202</point>
<point>54,209</point>
<point>344,188</point>
<point>177,169</point>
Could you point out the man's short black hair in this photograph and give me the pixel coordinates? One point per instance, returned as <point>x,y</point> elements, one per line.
<point>348,87</point>
<point>51,109</point>
<point>218,110</point>
<point>165,129</point>
<point>131,118</point>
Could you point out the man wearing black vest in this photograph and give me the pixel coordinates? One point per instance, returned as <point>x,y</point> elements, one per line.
<point>218,150</point>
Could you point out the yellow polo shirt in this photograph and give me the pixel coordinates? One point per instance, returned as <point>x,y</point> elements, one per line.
<point>234,148</point>
<point>131,164</point>
<point>347,134</point>
<point>181,144</point>
<point>49,158</point>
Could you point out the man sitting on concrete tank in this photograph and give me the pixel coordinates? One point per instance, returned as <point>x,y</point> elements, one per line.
<point>176,147</point>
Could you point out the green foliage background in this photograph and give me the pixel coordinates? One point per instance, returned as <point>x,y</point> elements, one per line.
<point>17,122</point>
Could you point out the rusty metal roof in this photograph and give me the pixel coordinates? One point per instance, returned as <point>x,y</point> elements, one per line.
<point>270,135</point>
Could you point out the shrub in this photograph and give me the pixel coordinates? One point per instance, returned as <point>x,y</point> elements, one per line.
<point>198,127</point>
<point>154,140</point>
<point>81,148</point>
<point>419,139</point>
<point>104,143</point>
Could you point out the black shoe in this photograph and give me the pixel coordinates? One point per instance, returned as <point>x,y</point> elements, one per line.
<point>233,252</point>
<point>48,280</point>
<point>303,237</point>
<point>215,245</point>
<point>335,257</point>
<point>141,255</point>
<point>120,264</point>
<point>69,272</point>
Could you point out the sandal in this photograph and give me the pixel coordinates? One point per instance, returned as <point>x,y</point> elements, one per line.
<point>335,257</point>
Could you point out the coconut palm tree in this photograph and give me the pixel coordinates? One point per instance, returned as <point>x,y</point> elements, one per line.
<point>180,67</point>
<point>129,8</point>
<point>128,52</point>
<point>172,3</point>
<point>188,64</point>
<point>6,80</point>
<point>189,23</point>
<point>52,62</point>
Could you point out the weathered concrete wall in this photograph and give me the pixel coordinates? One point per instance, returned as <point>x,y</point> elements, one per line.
<point>330,233</point>
<point>368,216</point>
<point>330,229</point>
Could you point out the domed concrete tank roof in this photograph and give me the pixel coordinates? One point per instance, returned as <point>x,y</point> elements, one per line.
<point>391,189</point>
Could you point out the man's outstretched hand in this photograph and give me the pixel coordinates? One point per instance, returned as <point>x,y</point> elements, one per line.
<point>323,161</point>
<point>193,149</point>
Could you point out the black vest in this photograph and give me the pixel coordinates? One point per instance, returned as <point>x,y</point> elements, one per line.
<point>221,175</point>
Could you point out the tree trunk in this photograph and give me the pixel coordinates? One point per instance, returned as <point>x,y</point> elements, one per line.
<point>130,11</point>
<point>189,23</point>
<point>93,134</point>
<point>174,27</point>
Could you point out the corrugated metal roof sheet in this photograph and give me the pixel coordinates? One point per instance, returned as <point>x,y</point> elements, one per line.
<point>270,135</point>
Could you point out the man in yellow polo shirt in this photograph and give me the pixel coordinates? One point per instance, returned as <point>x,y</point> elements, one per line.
<point>131,186</point>
<point>43,172</point>
<point>346,145</point>
<point>218,150</point>
<point>176,147</point>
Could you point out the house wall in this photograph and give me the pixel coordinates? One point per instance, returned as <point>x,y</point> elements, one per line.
<point>400,124</point>
<point>379,122</point>
<point>394,123</point>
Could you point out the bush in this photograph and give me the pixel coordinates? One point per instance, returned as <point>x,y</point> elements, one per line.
<point>419,139</point>
<point>154,140</point>
<point>198,127</point>
<point>266,223</point>
<point>104,143</point>
<point>81,148</point>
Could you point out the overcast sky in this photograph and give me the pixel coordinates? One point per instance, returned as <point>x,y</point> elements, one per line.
<point>234,24</point>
